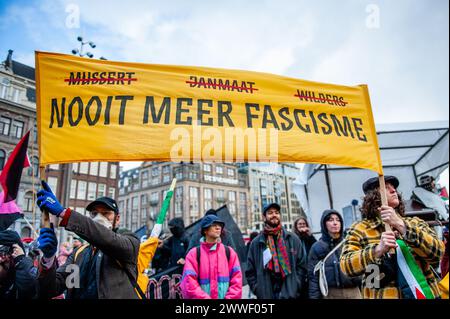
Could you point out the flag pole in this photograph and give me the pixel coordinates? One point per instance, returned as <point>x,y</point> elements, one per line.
<point>156,231</point>
<point>45,218</point>
<point>384,202</point>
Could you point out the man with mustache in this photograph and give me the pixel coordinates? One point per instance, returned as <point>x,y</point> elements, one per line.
<point>276,266</point>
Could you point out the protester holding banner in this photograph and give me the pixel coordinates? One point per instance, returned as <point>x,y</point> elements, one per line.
<point>212,271</point>
<point>328,251</point>
<point>107,265</point>
<point>368,248</point>
<point>18,277</point>
<point>282,256</point>
<point>444,261</point>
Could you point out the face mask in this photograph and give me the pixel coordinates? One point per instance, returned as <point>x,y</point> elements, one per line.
<point>102,220</point>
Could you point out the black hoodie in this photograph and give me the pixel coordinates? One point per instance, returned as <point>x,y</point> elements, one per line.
<point>335,277</point>
<point>176,246</point>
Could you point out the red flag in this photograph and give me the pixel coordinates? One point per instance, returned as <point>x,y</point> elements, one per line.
<point>12,172</point>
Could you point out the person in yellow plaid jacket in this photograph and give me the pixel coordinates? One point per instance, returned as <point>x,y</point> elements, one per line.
<point>367,243</point>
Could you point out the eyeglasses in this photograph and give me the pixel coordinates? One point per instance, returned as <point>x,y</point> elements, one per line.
<point>94,213</point>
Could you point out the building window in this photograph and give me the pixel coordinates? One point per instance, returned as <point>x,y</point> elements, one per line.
<point>17,129</point>
<point>143,214</point>
<point>16,95</point>
<point>230,172</point>
<point>232,202</point>
<point>103,169</point>
<point>34,166</point>
<point>155,175</point>
<point>144,200</point>
<point>207,167</point>
<point>243,208</point>
<point>112,192</point>
<point>219,169</point>
<point>193,197</point>
<point>5,125</point>
<point>144,179</point>
<point>75,167</point>
<point>84,167</point>
<point>154,199</point>
<point>135,203</point>
<point>53,183</point>
<point>113,171</point>
<point>92,189</point>
<point>101,190</point>
<point>208,198</point>
<point>28,199</point>
<point>73,188</point>
<point>35,134</point>
<point>193,174</point>
<point>54,166</point>
<point>4,87</point>
<point>81,192</point>
<point>166,178</point>
<point>2,159</point>
<point>178,173</point>
<point>155,171</point>
<point>179,201</point>
<point>93,169</point>
<point>166,173</point>
<point>220,194</point>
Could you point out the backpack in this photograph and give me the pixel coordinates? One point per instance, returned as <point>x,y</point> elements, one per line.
<point>133,281</point>
<point>227,252</point>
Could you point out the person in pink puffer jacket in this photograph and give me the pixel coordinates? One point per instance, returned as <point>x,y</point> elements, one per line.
<point>219,275</point>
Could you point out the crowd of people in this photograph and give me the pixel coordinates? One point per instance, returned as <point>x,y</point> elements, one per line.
<point>112,263</point>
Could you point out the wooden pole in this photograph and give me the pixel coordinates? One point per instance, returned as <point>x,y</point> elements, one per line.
<point>384,202</point>
<point>45,218</point>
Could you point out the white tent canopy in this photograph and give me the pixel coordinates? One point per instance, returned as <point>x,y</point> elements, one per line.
<point>408,151</point>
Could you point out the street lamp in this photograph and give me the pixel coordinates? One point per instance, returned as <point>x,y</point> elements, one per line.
<point>80,53</point>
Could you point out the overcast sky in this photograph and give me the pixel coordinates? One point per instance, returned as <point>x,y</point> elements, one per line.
<point>399,48</point>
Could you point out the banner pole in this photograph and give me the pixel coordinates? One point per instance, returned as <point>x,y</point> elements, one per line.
<point>384,202</point>
<point>45,218</point>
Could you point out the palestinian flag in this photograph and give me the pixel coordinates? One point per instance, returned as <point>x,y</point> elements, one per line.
<point>444,194</point>
<point>412,281</point>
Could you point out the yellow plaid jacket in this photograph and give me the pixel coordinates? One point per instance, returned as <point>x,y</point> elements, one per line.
<point>364,236</point>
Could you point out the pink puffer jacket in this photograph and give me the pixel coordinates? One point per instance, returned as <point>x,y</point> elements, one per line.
<point>216,279</point>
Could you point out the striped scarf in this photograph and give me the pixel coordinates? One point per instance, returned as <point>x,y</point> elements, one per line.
<point>280,259</point>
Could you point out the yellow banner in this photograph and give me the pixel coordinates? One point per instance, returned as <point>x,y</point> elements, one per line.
<point>96,110</point>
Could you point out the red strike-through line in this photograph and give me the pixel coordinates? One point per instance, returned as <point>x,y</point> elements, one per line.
<point>223,86</point>
<point>313,99</point>
<point>92,80</point>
